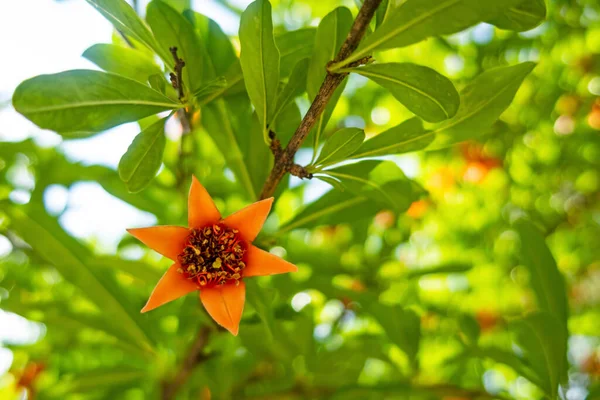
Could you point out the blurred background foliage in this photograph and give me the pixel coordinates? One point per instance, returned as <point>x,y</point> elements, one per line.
<point>395,305</point>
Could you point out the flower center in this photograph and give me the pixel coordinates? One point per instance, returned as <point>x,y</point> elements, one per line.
<point>213,255</point>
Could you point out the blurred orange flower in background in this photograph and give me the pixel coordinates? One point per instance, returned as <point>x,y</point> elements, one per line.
<point>212,255</point>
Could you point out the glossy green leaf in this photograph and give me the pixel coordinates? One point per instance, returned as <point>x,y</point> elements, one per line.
<point>381,181</point>
<point>422,90</point>
<point>57,101</point>
<point>522,17</point>
<point>218,123</point>
<point>294,46</point>
<point>210,88</point>
<point>143,158</point>
<point>123,61</point>
<point>70,259</point>
<point>340,145</point>
<point>543,340</point>
<point>415,20</point>
<point>260,60</point>
<point>545,279</point>
<point>171,29</point>
<point>331,33</point>
<point>124,19</point>
<point>409,136</point>
<point>218,45</point>
<point>482,102</point>
<point>158,83</point>
<point>295,86</point>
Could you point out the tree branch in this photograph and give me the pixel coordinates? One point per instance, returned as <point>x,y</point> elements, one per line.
<point>284,162</point>
<point>194,357</point>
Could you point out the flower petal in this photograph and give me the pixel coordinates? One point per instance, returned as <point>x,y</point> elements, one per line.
<point>166,240</point>
<point>260,262</point>
<point>201,208</point>
<point>225,304</point>
<point>171,286</point>
<point>250,220</point>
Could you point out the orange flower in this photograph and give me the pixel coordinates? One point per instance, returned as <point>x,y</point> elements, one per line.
<point>213,255</point>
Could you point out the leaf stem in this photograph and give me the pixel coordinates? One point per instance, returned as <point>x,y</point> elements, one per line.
<point>331,82</point>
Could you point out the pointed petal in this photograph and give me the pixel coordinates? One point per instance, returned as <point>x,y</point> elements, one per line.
<point>260,262</point>
<point>171,286</point>
<point>201,208</point>
<point>225,304</point>
<point>250,220</point>
<point>166,240</point>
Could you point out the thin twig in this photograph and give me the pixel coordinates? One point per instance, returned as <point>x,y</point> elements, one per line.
<point>177,77</point>
<point>194,357</point>
<point>284,162</point>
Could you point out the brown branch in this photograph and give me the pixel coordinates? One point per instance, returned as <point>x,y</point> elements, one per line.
<point>284,162</point>
<point>194,357</point>
<point>177,77</point>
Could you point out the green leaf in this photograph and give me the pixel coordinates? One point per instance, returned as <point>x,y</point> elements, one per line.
<point>171,29</point>
<point>158,83</point>
<point>340,145</point>
<point>334,207</point>
<point>71,258</point>
<point>143,158</point>
<point>483,100</point>
<point>262,300</point>
<point>124,19</point>
<point>210,88</point>
<point>294,46</point>
<point>124,61</point>
<point>138,270</point>
<point>415,20</point>
<point>522,17</point>
<point>450,268</point>
<point>546,280</point>
<point>330,36</point>
<point>381,181</point>
<point>409,136</point>
<point>57,101</point>
<point>543,340</point>
<point>422,90</point>
<point>98,380</point>
<point>217,120</point>
<point>260,60</point>
<point>217,43</point>
<point>295,86</point>
<point>402,326</point>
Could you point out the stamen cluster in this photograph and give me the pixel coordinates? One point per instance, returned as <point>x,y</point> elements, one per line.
<point>213,255</point>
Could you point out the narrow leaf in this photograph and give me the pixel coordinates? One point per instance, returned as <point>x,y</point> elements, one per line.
<point>409,136</point>
<point>340,145</point>
<point>294,46</point>
<point>543,341</point>
<point>69,257</point>
<point>218,45</point>
<point>81,102</point>
<point>381,181</point>
<point>125,19</point>
<point>334,207</point>
<point>522,17</point>
<point>124,61</point>
<point>143,158</point>
<point>546,280</point>
<point>260,60</point>
<point>483,100</point>
<point>330,36</point>
<point>171,29</point>
<point>295,86</point>
<point>422,90</point>
<point>402,326</point>
<point>415,20</point>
